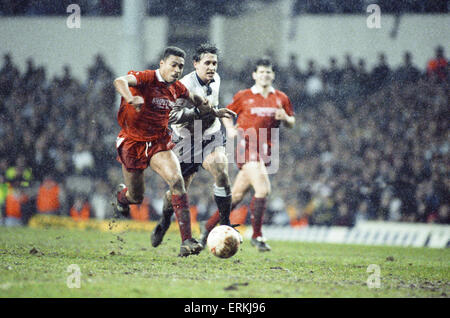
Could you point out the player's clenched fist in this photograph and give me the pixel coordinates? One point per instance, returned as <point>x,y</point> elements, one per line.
<point>136,102</point>
<point>204,106</point>
<point>280,114</point>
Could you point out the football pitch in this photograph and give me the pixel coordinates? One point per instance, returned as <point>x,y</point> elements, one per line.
<point>76,263</point>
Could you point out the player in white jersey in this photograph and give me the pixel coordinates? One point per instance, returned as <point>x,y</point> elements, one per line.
<point>199,139</point>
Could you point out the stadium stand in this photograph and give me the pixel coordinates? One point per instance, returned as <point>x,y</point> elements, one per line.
<point>229,7</point>
<point>369,144</point>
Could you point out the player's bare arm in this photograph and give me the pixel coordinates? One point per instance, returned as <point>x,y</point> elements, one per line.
<point>224,113</point>
<point>229,126</point>
<point>205,107</point>
<point>122,85</point>
<point>181,113</point>
<point>281,114</point>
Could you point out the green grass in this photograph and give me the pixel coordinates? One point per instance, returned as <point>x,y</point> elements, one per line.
<point>125,265</point>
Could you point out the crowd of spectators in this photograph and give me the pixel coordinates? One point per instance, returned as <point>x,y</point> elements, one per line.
<point>52,7</point>
<point>358,6</point>
<point>368,145</point>
<point>196,8</point>
<point>199,8</point>
<point>58,128</point>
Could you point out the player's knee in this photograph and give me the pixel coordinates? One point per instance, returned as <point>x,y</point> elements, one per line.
<point>215,161</point>
<point>167,203</point>
<point>176,184</point>
<point>262,192</point>
<point>219,171</point>
<point>222,179</point>
<point>237,197</point>
<point>220,159</point>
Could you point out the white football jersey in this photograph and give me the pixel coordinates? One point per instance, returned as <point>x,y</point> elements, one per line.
<point>193,85</point>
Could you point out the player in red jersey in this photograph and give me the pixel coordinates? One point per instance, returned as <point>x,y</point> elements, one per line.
<point>260,108</point>
<point>202,147</point>
<point>145,140</point>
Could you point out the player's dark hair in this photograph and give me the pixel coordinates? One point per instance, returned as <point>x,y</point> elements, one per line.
<point>264,61</point>
<point>173,50</point>
<point>204,48</point>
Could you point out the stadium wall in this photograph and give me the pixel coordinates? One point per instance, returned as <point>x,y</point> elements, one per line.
<point>266,29</point>
<point>366,233</point>
<point>250,35</point>
<point>318,37</point>
<point>52,44</point>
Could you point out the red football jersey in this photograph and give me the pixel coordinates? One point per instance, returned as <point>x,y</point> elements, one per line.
<point>255,111</point>
<point>152,121</point>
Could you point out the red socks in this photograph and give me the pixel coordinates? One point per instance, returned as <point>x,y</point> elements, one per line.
<point>180,205</point>
<point>257,208</point>
<point>212,221</point>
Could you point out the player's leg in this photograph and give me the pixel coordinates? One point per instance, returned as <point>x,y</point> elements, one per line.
<point>240,188</point>
<point>259,179</point>
<point>132,192</point>
<point>166,218</point>
<point>134,180</point>
<point>188,169</point>
<point>129,154</point>
<point>167,210</point>
<point>216,164</point>
<point>166,164</point>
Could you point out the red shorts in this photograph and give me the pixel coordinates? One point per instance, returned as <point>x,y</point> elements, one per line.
<point>246,152</point>
<point>136,155</point>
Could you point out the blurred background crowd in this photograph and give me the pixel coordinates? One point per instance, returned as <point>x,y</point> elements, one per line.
<point>368,144</point>
<point>229,7</point>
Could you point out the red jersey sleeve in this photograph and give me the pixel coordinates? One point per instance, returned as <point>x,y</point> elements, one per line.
<point>143,77</point>
<point>287,105</point>
<point>236,103</point>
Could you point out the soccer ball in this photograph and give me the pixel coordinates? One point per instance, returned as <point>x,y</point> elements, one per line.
<point>223,241</point>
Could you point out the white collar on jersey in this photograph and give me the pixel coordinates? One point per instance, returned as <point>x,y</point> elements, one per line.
<point>159,77</point>
<point>255,90</point>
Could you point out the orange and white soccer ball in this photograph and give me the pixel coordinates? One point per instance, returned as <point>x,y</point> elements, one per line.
<point>223,241</point>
